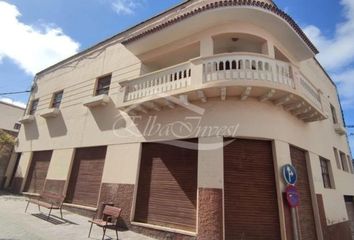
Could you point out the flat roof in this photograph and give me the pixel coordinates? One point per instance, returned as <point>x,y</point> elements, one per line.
<point>12,105</point>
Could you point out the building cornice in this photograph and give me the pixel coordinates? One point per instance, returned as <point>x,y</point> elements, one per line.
<point>167,18</point>
<point>215,5</point>
<point>12,105</point>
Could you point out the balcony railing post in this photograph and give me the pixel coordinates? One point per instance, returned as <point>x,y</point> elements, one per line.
<point>198,75</point>
<point>122,95</point>
<point>274,71</point>
<point>296,78</point>
<point>320,93</point>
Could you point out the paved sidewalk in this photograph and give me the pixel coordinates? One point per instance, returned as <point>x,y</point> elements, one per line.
<point>15,224</point>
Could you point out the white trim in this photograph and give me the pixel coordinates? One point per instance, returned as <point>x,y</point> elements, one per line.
<point>80,206</point>
<point>167,229</point>
<point>132,212</point>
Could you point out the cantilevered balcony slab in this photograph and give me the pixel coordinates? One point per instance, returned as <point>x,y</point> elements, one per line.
<point>50,113</point>
<point>97,101</point>
<point>26,119</point>
<point>226,76</point>
<point>339,129</point>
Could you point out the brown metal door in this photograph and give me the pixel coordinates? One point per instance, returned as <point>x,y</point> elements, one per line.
<point>167,190</point>
<point>250,198</point>
<point>38,171</point>
<point>350,210</point>
<point>86,176</point>
<point>305,210</point>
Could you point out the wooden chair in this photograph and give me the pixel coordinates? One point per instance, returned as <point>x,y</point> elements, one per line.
<point>109,220</point>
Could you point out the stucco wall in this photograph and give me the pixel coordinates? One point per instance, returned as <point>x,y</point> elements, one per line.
<point>9,116</point>
<point>121,164</point>
<point>60,164</point>
<point>78,126</point>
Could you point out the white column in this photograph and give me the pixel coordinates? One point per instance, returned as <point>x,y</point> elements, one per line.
<point>206,47</point>
<point>211,162</point>
<point>281,153</point>
<point>311,161</point>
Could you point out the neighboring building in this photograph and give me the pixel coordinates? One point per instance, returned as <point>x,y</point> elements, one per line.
<point>237,83</point>
<point>10,114</point>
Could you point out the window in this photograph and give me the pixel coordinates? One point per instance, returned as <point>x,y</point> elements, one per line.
<point>33,107</point>
<point>334,114</point>
<point>57,97</point>
<point>103,85</point>
<point>336,155</point>
<point>344,162</point>
<point>17,126</point>
<point>350,164</point>
<point>325,169</point>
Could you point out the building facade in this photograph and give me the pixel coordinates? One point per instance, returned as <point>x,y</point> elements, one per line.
<point>9,126</point>
<point>186,120</point>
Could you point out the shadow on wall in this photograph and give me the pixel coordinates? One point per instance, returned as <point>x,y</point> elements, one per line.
<point>108,117</point>
<point>56,126</point>
<point>31,130</point>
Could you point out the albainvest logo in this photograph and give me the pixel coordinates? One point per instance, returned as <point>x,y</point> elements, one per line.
<point>149,126</point>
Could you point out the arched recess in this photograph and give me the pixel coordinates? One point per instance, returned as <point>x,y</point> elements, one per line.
<point>239,42</point>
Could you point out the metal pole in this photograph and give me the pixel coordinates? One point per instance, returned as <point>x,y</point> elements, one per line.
<point>295,227</point>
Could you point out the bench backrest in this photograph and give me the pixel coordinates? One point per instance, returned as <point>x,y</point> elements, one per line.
<point>52,198</point>
<point>112,212</point>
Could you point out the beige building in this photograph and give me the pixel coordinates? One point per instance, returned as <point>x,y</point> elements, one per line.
<point>10,114</point>
<point>186,121</point>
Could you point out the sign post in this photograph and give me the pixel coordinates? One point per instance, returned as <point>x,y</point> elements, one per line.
<point>292,195</point>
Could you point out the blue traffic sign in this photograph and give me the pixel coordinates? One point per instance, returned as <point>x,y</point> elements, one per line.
<point>289,174</point>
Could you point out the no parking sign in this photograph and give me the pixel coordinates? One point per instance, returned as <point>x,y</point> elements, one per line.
<point>292,196</point>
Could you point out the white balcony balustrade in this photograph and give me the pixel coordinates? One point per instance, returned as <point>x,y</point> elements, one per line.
<point>166,80</point>
<point>282,82</point>
<point>243,67</point>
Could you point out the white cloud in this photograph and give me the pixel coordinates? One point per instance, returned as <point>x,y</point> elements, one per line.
<point>126,7</point>
<point>337,52</point>
<point>13,102</point>
<point>30,47</point>
<point>345,82</point>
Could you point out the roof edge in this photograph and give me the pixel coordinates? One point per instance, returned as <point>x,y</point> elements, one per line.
<point>254,3</point>
<point>12,105</point>
<point>115,36</point>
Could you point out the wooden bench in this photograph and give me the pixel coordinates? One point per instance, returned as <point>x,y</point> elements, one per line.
<point>48,200</point>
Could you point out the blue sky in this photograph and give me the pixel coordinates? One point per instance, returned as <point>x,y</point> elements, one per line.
<point>37,33</point>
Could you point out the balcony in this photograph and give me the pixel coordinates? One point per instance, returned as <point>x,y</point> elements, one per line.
<point>237,75</point>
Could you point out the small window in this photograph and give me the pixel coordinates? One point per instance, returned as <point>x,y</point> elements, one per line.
<point>344,162</point>
<point>33,107</point>
<point>325,169</point>
<point>103,85</point>
<point>17,126</point>
<point>57,97</point>
<point>350,164</point>
<point>334,114</point>
<point>336,155</point>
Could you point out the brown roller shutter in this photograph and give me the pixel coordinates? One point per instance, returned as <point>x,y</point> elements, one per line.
<point>167,190</point>
<point>250,198</point>
<point>349,203</point>
<point>305,210</point>
<point>38,171</point>
<point>86,176</point>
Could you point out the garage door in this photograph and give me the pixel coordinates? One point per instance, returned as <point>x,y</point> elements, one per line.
<point>305,210</point>
<point>250,198</point>
<point>349,203</point>
<point>167,190</point>
<point>86,176</point>
<point>38,171</point>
